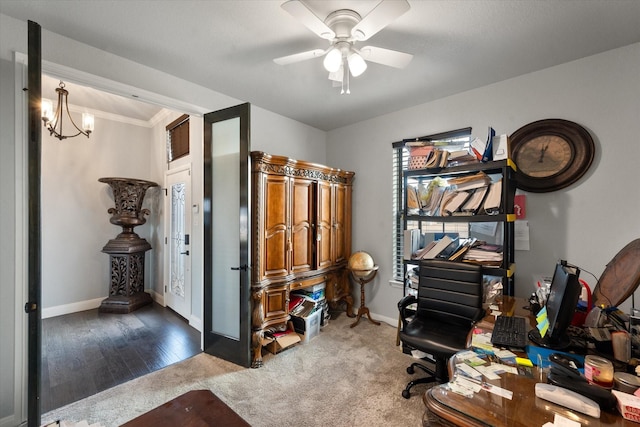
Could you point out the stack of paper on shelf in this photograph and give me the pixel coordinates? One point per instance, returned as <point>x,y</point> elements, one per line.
<point>431,204</point>
<point>455,202</point>
<point>304,309</point>
<point>461,157</point>
<point>474,201</point>
<point>494,197</point>
<point>413,203</point>
<point>438,159</point>
<point>434,248</point>
<point>490,255</point>
<point>470,182</point>
<point>451,248</point>
<point>463,247</point>
<point>295,301</point>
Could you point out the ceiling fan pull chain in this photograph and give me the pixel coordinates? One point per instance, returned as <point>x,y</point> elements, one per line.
<point>346,73</point>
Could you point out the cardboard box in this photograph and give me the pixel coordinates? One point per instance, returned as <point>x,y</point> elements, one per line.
<point>308,326</point>
<point>628,405</point>
<point>278,343</point>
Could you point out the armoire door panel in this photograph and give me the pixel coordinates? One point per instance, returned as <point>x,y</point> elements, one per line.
<point>275,233</point>
<point>324,225</point>
<point>276,302</point>
<point>339,219</point>
<point>302,210</point>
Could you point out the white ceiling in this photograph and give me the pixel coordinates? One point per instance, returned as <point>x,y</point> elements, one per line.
<point>229,46</point>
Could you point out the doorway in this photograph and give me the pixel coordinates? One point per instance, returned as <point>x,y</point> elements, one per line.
<point>71,149</point>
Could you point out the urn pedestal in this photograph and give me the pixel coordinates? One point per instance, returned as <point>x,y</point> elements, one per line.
<point>127,250</point>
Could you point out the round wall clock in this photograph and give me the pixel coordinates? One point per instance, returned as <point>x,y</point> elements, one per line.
<point>551,154</point>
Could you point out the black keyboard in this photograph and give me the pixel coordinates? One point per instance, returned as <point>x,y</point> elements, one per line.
<point>510,331</point>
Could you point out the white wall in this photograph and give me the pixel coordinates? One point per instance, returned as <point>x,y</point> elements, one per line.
<point>75,221</point>
<point>587,223</point>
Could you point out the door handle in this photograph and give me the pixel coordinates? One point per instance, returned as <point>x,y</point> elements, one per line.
<point>242,267</point>
<point>184,253</point>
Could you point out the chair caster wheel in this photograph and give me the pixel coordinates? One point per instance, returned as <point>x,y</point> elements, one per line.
<point>406,394</point>
<point>410,370</point>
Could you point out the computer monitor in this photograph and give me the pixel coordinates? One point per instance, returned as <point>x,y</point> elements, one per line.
<point>561,305</point>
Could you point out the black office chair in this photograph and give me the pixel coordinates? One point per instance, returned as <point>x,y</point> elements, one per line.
<point>449,302</point>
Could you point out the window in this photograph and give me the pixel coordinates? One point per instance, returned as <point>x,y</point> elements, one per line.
<point>453,140</point>
<point>178,138</point>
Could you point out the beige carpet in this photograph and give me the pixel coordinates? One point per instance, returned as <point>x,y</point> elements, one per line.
<point>343,377</point>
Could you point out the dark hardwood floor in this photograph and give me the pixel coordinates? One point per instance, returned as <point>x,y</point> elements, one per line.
<point>88,352</point>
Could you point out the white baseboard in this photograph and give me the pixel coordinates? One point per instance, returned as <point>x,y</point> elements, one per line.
<point>195,323</point>
<point>385,319</point>
<point>74,307</point>
<point>10,421</point>
<point>159,298</point>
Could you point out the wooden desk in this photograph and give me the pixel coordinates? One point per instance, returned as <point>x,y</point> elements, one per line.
<point>445,407</point>
<point>196,408</point>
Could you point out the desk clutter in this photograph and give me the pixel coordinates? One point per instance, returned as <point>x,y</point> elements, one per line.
<point>579,364</point>
<point>583,384</point>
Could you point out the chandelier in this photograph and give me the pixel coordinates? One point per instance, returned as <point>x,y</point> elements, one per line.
<point>53,122</point>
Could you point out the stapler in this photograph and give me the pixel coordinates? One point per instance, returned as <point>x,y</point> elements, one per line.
<point>565,365</point>
<point>564,373</point>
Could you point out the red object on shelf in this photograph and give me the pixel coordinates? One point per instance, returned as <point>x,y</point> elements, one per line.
<point>520,206</point>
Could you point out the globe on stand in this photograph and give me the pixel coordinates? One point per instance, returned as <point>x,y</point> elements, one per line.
<point>363,270</point>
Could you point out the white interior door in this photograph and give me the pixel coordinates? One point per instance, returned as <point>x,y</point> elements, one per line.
<point>177,289</point>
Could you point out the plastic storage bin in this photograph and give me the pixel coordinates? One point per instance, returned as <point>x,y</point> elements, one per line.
<point>308,327</point>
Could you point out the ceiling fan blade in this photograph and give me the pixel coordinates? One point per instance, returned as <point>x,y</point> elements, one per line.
<point>297,57</point>
<point>381,16</point>
<point>301,12</point>
<point>391,58</point>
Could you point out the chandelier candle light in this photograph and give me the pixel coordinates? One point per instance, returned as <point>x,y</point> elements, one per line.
<point>53,122</point>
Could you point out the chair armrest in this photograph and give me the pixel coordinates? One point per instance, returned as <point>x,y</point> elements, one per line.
<point>402,307</point>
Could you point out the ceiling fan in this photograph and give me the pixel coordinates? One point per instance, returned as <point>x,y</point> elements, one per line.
<point>343,28</point>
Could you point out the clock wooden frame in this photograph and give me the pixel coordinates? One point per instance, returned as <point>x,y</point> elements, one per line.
<point>581,154</point>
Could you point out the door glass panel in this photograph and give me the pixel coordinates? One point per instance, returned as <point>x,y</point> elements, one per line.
<point>225,210</point>
<point>177,233</point>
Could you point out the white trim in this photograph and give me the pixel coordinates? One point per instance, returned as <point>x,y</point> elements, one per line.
<point>111,116</point>
<point>385,319</point>
<point>158,298</point>
<point>396,284</point>
<point>196,323</point>
<point>21,239</point>
<point>159,117</point>
<point>74,307</point>
<point>116,88</point>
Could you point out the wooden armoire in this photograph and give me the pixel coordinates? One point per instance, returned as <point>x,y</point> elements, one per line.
<point>301,220</point>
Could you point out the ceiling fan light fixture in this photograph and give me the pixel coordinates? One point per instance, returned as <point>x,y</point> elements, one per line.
<point>357,64</point>
<point>333,60</point>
